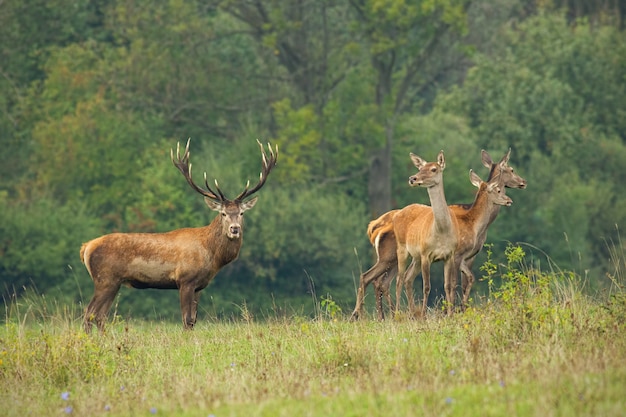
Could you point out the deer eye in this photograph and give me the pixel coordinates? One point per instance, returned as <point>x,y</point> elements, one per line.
<point>223,214</point>
<point>433,170</point>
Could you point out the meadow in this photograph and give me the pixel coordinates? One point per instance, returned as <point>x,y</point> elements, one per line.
<point>535,345</point>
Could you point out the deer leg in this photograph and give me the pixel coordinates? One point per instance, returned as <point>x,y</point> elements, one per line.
<point>367,277</point>
<point>410,275</point>
<point>187,301</point>
<point>450,273</point>
<point>99,306</point>
<point>196,301</point>
<point>386,283</point>
<point>402,256</point>
<point>378,291</point>
<point>467,280</point>
<point>425,284</point>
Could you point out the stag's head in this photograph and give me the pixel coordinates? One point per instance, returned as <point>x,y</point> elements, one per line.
<point>509,178</point>
<point>430,173</point>
<point>230,211</point>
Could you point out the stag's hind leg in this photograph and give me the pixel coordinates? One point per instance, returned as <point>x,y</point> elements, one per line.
<point>99,305</point>
<point>189,298</point>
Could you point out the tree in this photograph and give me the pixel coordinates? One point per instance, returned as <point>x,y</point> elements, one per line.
<point>552,93</point>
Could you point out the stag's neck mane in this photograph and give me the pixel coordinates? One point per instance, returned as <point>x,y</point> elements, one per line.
<point>224,249</point>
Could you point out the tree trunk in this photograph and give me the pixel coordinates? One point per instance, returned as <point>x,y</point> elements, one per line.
<point>379,182</point>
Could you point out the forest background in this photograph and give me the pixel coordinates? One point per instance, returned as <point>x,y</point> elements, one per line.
<point>94,94</point>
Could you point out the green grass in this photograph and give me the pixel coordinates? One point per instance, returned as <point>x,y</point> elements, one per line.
<point>536,347</point>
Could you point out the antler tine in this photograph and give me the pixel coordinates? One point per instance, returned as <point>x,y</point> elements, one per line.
<point>268,164</point>
<point>184,166</point>
<point>217,187</point>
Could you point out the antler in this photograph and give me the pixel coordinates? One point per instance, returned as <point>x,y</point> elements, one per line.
<point>184,166</point>
<point>268,164</point>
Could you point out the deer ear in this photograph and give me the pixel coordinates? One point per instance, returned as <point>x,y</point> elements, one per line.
<point>417,161</point>
<point>475,179</point>
<point>486,158</point>
<point>441,160</point>
<point>213,205</point>
<point>247,205</point>
<point>505,158</point>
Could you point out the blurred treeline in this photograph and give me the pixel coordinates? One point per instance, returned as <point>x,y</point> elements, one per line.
<point>93,94</point>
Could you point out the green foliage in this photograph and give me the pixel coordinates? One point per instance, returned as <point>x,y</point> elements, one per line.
<point>94,94</point>
<point>530,99</point>
<point>529,300</point>
<point>39,245</point>
<point>293,234</point>
<point>426,136</point>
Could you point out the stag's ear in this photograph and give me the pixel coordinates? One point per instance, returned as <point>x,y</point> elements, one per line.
<point>441,160</point>
<point>486,158</point>
<point>213,205</point>
<point>247,205</point>
<point>475,179</point>
<point>417,161</point>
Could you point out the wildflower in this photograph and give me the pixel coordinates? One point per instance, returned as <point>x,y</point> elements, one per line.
<point>68,409</point>
<point>449,400</point>
<point>452,372</point>
<point>65,396</point>
<point>153,410</point>
<point>107,407</point>
<point>502,384</point>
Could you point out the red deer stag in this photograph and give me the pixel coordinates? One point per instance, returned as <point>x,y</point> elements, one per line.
<point>381,235</point>
<point>185,259</point>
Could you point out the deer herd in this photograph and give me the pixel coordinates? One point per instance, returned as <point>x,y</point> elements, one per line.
<point>188,259</point>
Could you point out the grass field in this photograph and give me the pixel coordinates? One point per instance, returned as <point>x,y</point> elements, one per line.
<point>538,347</point>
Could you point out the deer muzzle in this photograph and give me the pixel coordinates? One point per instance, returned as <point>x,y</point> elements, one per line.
<point>234,231</point>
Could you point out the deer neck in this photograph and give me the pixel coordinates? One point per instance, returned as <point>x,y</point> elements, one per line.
<point>483,211</point>
<point>223,249</point>
<point>441,212</point>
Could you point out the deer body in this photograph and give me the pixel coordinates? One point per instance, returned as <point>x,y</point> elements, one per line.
<point>186,259</point>
<point>381,236</point>
<point>426,234</point>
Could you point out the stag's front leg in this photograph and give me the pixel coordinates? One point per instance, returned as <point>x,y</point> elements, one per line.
<point>196,301</point>
<point>187,302</point>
